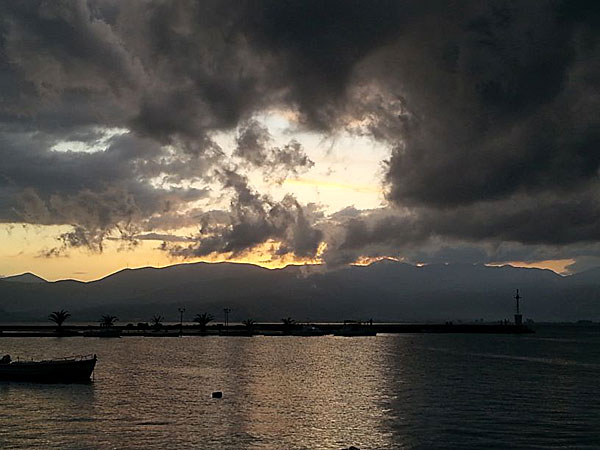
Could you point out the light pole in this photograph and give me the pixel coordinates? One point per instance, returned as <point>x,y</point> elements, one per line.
<point>181,311</point>
<point>226,311</point>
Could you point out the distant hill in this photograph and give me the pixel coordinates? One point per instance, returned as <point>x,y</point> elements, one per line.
<point>384,291</point>
<point>587,277</point>
<point>27,277</point>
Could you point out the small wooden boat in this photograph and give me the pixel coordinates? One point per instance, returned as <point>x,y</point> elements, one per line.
<point>76,369</point>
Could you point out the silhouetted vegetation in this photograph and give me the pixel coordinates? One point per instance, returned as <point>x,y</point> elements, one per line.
<point>249,324</point>
<point>288,324</point>
<point>107,321</point>
<point>59,317</point>
<point>203,320</point>
<point>157,322</point>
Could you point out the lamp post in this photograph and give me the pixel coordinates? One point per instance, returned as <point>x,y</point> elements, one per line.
<point>181,311</point>
<point>226,311</point>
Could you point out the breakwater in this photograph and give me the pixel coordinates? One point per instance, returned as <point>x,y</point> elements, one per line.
<point>267,329</point>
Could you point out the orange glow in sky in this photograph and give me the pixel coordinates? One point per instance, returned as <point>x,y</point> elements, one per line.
<point>557,265</point>
<point>22,245</point>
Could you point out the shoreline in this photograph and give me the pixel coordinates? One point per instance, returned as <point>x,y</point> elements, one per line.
<point>264,329</point>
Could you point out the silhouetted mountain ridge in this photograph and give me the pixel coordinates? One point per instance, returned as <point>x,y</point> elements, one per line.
<point>26,277</point>
<point>587,277</point>
<point>385,290</point>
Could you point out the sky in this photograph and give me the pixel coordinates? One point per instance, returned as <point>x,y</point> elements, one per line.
<point>276,132</point>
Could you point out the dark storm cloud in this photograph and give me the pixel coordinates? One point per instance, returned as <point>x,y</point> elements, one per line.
<point>96,193</point>
<point>253,147</point>
<point>252,141</point>
<point>585,262</point>
<point>502,100</point>
<point>490,110</point>
<point>171,72</point>
<point>503,230</point>
<point>162,237</point>
<point>493,115</point>
<point>317,45</point>
<point>253,219</point>
<point>479,100</point>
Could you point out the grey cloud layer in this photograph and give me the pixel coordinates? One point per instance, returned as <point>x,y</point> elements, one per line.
<point>490,109</point>
<point>253,219</point>
<point>512,106</point>
<point>503,230</point>
<point>253,147</point>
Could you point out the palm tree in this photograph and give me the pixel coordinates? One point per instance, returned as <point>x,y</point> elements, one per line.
<point>203,320</point>
<point>288,324</point>
<point>249,324</point>
<point>58,317</point>
<point>107,320</point>
<point>157,321</point>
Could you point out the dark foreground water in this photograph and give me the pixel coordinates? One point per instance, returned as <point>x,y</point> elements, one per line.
<point>384,392</point>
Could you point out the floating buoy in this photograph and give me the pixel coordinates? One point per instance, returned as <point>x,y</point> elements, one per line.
<point>217,394</point>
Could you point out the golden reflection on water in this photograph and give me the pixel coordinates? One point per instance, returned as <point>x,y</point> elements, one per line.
<point>325,391</point>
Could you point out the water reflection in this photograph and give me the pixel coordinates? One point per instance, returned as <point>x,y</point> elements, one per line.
<point>384,392</point>
<point>308,393</point>
<point>33,414</point>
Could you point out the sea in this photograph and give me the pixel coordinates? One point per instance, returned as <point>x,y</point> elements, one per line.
<point>406,391</point>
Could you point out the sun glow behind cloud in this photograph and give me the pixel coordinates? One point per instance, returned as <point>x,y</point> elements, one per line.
<point>256,135</point>
<point>21,253</point>
<point>100,139</point>
<point>347,168</point>
<point>347,172</point>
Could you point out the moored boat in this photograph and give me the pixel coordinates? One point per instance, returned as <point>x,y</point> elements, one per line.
<point>76,369</point>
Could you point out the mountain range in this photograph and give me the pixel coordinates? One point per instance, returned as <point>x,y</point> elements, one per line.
<point>383,291</point>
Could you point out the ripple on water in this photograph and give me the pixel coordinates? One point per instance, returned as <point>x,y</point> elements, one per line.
<point>388,392</point>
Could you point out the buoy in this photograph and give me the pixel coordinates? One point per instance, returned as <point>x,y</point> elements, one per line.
<point>217,394</point>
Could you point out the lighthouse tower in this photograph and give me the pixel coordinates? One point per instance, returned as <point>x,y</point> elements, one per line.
<point>518,315</point>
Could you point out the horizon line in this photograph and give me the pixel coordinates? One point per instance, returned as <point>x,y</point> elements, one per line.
<point>324,265</point>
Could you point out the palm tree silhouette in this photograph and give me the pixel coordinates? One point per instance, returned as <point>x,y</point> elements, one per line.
<point>249,324</point>
<point>288,324</point>
<point>59,317</point>
<point>157,321</point>
<point>107,321</point>
<point>203,320</point>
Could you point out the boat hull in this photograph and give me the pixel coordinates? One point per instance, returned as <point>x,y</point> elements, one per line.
<point>54,371</point>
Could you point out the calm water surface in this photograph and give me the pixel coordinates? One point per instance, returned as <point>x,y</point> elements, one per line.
<point>384,392</point>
